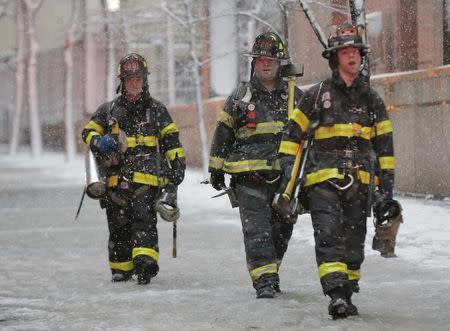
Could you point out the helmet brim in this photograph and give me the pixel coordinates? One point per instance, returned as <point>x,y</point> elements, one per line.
<point>327,53</point>
<point>136,74</point>
<point>256,55</point>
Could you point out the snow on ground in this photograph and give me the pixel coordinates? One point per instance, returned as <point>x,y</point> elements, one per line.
<point>54,273</point>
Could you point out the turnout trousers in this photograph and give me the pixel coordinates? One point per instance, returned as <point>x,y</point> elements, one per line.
<point>133,235</point>
<point>266,233</point>
<point>339,222</point>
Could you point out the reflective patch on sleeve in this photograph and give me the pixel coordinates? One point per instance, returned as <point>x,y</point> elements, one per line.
<point>92,125</point>
<point>173,153</point>
<point>226,119</point>
<point>90,136</point>
<point>171,128</point>
<point>383,127</point>
<point>387,162</point>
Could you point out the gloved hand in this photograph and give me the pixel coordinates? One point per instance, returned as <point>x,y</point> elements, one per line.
<point>386,185</point>
<point>176,174</point>
<point>105,145</point>
<point>386,189</point>
<point>217,180</point>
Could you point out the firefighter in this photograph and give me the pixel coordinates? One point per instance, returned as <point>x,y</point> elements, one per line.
<point>348,123</point>
<point>245,146</point>
<point>137,144</point>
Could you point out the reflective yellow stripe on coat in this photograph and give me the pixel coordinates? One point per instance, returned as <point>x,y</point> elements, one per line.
<point>248,165</point>
<point>343,130</point>
<point>328,173</point>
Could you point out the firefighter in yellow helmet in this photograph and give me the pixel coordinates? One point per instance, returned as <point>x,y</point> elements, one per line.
<point>245,146</point>
<point>348,124</point>
<point>137,145</point>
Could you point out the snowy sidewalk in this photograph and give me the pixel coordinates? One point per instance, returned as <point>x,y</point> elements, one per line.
<point>55,276</point>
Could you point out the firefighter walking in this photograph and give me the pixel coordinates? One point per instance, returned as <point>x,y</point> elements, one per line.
<point>137,145</point>
<point>245,145</point>
<point>348,121</point>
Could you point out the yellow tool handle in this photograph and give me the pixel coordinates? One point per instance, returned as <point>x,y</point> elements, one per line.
<point>290,185</point>
<point>291,95</point>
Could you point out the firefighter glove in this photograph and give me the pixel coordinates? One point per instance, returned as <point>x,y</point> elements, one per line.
<point>105,145</point>
<point>386,189</point>
<point>175,174</point>
<point>217,180</point>
<point>386,185</point>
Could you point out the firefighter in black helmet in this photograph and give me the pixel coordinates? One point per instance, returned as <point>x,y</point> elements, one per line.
<point>245,146</point>
<point>137,144</point>
<point>351,128</point>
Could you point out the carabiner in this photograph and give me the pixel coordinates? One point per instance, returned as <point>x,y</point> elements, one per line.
<point>343,188</point>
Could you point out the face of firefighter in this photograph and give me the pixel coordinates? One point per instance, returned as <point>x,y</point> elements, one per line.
<point>133,87</point>
<point>349,60</point>
<point>266,70</point>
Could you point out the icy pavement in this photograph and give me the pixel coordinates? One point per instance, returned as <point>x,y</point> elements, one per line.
<point>54,270</point>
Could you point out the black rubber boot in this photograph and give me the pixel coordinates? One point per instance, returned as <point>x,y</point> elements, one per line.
<point>338,307</point>
<point>276,284</point>
<point>145,269</point>
<point>121,276</point>
<point>351,288</point>
<point>265,286</point>
<point>352,310</point>
<point>276,287</point>
<point>265,292</point>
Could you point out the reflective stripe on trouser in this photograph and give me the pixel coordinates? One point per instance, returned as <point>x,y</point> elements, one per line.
<point>265,244</point>
<point>339,221</point>
<point>131,228</point>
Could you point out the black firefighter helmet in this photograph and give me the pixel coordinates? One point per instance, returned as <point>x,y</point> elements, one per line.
<point>132,65</point>
<point>347,35</point>
<point>268,44</point>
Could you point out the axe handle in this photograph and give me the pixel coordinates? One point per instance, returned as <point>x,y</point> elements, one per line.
<point>290,185</point>
<point>291,95</point>
<point>174,235</point>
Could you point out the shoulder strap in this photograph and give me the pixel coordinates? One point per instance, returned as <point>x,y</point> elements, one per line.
<point>109,114</point>
<point>315,123</point>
